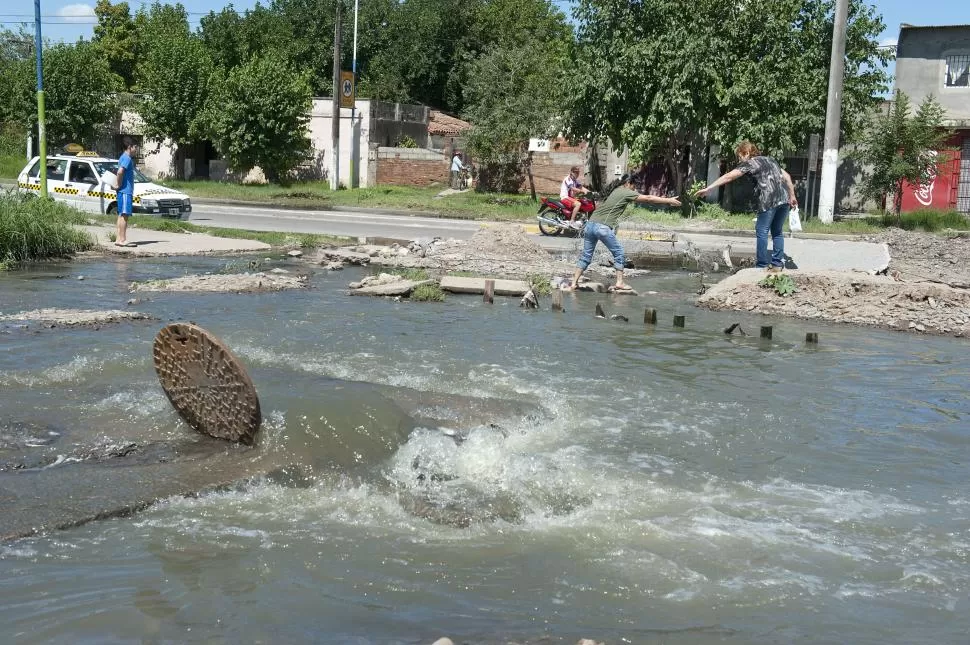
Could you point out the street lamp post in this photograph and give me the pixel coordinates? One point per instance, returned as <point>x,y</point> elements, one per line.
<point>41,130</point>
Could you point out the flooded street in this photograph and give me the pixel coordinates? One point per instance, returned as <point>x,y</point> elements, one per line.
<point>481,472</point>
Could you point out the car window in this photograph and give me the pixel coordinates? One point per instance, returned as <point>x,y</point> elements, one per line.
<point>112,167</point>
<point>82,173</point>
<point>33,169</point>
<point>56,168</point>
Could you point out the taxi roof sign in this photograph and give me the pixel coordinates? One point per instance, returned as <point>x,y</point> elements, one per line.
<point>73,148</point>
<point>87,153</point>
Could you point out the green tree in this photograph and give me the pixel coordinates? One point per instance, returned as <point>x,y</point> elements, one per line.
<point>508,98</point>
<point>81,94</point>
<point>663,76</point>
<point>17,72</point>
<point>175,77</point>
<point>901,147</point>
<point>115,37</point>
<point>259,116</point>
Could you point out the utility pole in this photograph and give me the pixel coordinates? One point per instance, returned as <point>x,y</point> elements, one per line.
<point>335,164</point>
<point>833,116</point>
<point>355,147</point>
<point>41,129</point>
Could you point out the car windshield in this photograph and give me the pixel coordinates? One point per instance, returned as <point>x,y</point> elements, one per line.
<point>112,167</point>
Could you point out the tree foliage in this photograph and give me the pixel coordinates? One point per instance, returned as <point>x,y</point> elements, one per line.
<point>115,37</point>
<point>17,72</point>
<point>259,116</point>
<point>80,91</point>
<point>662,75</point>
<point>901,147</point>
<point>512,94</point>
<point>174,77</point>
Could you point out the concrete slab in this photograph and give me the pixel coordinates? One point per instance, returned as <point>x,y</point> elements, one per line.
<point>155,243</point>
<point>808,254</point>
<point>399,288</point>
<point>456,284</point>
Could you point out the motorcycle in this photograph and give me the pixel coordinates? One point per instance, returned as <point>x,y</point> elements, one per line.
<point>553,215</point>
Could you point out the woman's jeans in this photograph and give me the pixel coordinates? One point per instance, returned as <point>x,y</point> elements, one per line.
<point>596,232</point>
<point>771,221</point>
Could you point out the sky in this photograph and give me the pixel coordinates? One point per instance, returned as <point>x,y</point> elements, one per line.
<point>68,20</point>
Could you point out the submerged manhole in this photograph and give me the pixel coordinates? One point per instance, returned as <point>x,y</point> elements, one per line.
<point>206,383</point>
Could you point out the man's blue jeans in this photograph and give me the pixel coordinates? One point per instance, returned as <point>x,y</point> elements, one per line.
<point>771,221</point>
<point>596,232</point>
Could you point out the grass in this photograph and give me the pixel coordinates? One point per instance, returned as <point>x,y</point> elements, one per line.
<point>35,229</point>
<point>931,221</point>
<point>10,166</point>
<point>427,293</point>
<point>414,275</point>
<point>540,284</point>
<point>273,238</point>
<point>316,194</point>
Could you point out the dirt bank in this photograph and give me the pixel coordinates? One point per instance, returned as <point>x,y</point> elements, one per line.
<point>499,251</point>
<point>73,317</point>
<point>857,298</point>
<point>227,283</point>
<point>926,257</point>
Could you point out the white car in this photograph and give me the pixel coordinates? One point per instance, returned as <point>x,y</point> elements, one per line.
<point>86,181</point>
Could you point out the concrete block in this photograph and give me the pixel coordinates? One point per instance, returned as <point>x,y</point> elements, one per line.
<point>456,284</point>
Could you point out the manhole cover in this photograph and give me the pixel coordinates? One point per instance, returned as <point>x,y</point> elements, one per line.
<point>206,383</point>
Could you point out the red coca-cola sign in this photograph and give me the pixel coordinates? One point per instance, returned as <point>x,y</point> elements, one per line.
<point>940,191</point>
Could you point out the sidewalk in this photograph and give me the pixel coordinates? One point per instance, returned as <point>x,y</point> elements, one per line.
<point>154,243</point>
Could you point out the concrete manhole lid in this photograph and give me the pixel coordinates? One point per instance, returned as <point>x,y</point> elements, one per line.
<point>206,383</point>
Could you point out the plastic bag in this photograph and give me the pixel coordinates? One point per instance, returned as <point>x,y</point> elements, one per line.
<point>794,220</point>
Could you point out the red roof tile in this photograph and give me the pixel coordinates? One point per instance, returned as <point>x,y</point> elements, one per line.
<point>442,125</point>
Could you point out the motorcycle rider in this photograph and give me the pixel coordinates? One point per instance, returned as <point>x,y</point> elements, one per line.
<point>603,224</point>
<point>569,189</point>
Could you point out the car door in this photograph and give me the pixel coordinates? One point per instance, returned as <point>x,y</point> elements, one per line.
<point>82,185</point>
<point>57,179</point>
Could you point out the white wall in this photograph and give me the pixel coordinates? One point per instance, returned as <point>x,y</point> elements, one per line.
<point>158,157</point>
<point>351,148</point>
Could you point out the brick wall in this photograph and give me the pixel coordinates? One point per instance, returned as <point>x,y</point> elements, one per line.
<point>411,167</point>
<point>548,174</point>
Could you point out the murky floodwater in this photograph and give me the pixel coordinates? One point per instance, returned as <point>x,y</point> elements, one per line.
<point>630,484</point>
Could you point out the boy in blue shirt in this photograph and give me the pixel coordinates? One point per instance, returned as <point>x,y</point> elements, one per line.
<point>125,188</point>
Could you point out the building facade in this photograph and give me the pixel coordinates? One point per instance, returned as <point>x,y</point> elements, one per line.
<point>935,61</point>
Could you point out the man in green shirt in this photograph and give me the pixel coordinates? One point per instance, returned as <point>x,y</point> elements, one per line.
<point>602,226</point>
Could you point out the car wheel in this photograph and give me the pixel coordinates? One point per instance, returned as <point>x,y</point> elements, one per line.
<point>112,209</point>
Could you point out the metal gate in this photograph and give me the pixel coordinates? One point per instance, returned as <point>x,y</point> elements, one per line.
<point>963,193</point>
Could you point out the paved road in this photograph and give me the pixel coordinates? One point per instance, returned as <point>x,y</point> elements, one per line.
<point>350,224</point>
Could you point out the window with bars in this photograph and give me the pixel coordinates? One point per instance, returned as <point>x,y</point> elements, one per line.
<point>957,71</point>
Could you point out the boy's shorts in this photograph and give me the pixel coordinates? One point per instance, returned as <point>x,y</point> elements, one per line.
<point>125,204</point>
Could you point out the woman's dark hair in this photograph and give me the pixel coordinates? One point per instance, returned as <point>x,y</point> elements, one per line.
<point>613,185</point>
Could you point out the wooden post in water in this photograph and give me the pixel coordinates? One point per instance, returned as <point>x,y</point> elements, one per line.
<point>489,296</point>
<point>557,300</point>
<point>599,311</point>
<point>679,321</point>
<point>766,332</point>
<point>649,316</point>
<point>811,338</point>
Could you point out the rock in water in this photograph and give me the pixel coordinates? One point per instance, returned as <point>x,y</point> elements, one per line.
<point>530,300</point>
